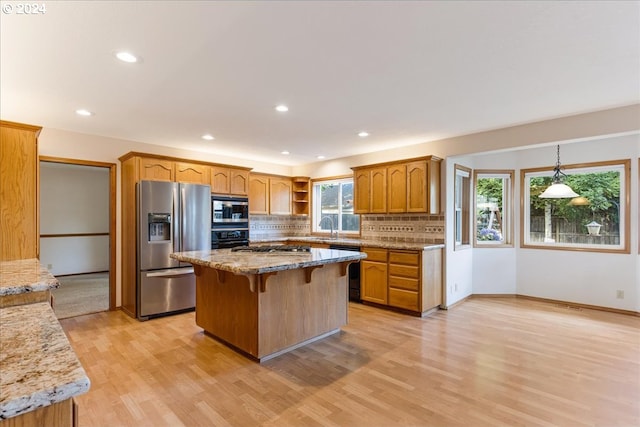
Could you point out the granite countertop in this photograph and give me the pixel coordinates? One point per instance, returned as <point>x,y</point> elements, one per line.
<point>25,275</point>
<point>38,365</point>
<point>356,242</point>
<point>265,262</point>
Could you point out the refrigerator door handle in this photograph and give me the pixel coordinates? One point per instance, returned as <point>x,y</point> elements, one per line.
<point>171,272</point>
<point>177,219</point>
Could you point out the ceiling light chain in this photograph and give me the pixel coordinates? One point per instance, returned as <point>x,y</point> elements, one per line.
<point>558,190</point>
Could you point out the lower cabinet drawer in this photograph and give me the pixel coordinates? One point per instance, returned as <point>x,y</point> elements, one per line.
<point>404,283</point>
<point>402,298</point>
<point>409,258</point>
<point>404,271</point>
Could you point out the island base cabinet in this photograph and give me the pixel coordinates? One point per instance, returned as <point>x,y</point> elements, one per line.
<point>61,414</point>
<point>265,315</point>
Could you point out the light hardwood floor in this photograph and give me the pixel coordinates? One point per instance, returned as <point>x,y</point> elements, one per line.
<point>486,362</point>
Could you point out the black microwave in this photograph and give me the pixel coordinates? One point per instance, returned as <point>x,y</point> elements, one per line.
<point>229,211</point>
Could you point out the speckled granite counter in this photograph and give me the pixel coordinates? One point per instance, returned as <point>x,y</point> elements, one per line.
<point>259,262</point>
<point>355,242</point>
<point>37,363</point>
<point>25,275</point>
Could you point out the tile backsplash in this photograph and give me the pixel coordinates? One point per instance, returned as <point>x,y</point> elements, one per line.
<point>410,228</point>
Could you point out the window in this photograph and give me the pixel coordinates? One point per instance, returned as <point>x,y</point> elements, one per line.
<point>596,220</point>
<point>493,208</point>
<point>462,196</point>
<point>333,206</point>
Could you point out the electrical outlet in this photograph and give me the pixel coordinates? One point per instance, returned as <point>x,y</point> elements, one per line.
<point>455,287</point>
<point>620,294</point>
<point>49,266</point>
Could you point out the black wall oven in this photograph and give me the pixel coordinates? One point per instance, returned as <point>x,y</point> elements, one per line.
<point>229,221</point>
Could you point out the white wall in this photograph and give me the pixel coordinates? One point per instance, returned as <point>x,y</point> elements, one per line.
<point>584,277</point>
<point>572,276</point>
<point>494,268</point>
<point>74,199</point>
<point>458,262</point>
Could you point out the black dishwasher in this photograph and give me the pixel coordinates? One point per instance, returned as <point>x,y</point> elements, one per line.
<point>354,272</point>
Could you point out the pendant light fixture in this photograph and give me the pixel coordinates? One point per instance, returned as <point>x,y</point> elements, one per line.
<point>558,190</point>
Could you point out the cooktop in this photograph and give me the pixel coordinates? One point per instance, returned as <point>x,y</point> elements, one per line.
<point>272,248</point>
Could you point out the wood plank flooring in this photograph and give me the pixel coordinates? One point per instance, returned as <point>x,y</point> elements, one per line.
<point>486,362</point>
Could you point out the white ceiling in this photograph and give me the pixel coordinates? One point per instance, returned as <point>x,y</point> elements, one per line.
<point>407,72</point>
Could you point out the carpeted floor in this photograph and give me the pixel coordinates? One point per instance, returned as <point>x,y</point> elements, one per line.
<point>81,294</point>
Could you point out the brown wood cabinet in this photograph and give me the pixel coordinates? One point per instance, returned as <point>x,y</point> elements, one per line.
<point>397,188</point>
<point>405,279</point>
<point>270,194</point>
<point>153,169</point>
<point>259,194</point>
<point>19,186</point>
<point>60,414</point>
<point>230,181</point>
<point>373,276</point>
<point>193,172</point>
<point>409,186</point>
<point>280,196</point>
<point>362,191</point>
<point>142,166</point>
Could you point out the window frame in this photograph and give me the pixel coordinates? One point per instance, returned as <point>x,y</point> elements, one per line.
<point>624,212</point>
<point>464,221</point>
<point>312,211</point>
<point>507,207</point>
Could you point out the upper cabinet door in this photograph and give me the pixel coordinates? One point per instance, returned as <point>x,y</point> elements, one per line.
<point>220,179</point>
<point>193,173</point>
<point>417,187</point>
<point>258,194</point>
<point>239,182</point>
<point>156,169</point>
<point>362,188</point>
<point>280,196</point>
<point>379,190</point>
<point>397,188</point>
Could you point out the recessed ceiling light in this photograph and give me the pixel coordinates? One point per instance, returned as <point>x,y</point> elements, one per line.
<point>126,57</point>
<point>208,137</point>
<point>83,112</point>
<point>320,157</point>
<point>285,152</point>
<point>363,134</point>
<point>282,108</point>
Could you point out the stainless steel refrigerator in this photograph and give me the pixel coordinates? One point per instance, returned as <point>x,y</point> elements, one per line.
<point>172,217</point>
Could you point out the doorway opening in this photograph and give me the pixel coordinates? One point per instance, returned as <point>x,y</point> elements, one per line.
<point>77,233</point>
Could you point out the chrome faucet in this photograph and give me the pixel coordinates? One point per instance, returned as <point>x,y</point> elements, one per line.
<point>330,222</point>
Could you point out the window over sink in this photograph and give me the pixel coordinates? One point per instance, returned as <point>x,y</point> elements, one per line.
<point>333,207</point>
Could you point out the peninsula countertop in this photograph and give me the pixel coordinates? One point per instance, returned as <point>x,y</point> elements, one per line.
<point>23,276</point>
<point>265,262</point>
<point>38,365</point>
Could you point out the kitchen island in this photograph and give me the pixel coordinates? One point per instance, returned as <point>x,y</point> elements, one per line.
<point>267,303</point>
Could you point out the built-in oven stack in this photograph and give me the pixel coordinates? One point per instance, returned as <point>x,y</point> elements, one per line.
<point>229,221</point>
